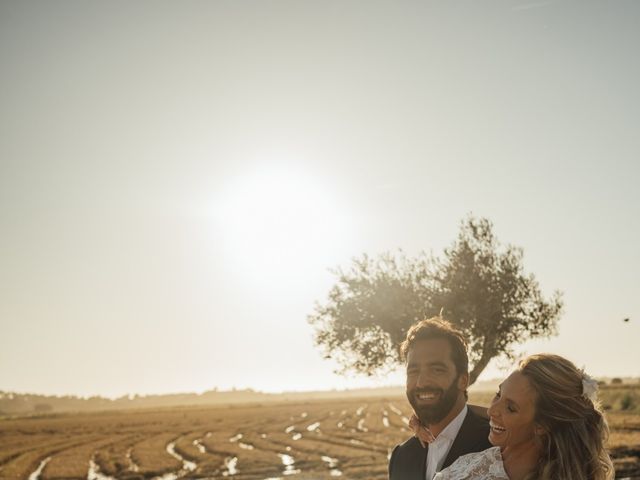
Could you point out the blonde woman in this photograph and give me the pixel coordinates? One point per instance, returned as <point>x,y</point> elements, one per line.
<point>545,425</point>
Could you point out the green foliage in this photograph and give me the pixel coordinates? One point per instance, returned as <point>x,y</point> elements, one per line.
<point>478,286</point>
<point>622,398</point>
<point>627,402</point>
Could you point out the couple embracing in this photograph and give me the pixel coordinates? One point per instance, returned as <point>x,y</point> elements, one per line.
<point>542,423</point>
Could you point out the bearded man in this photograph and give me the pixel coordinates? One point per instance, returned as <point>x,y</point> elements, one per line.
<point>437,380</point>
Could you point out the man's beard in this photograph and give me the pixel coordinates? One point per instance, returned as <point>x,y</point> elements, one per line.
<point>431,414</point>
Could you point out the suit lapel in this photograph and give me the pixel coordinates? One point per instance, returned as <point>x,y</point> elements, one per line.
<point>420,457</point>
<point>466,437</point>
<point>424,463</point>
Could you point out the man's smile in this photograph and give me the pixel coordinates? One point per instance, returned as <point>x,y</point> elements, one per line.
<point>427,396</point>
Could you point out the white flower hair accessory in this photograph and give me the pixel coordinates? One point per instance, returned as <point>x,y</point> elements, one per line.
<point>589,387</point>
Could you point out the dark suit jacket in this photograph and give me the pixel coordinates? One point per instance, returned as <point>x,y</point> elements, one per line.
<point>409,460</point>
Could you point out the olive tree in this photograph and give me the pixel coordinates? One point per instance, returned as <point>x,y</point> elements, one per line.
<point>477,284</point>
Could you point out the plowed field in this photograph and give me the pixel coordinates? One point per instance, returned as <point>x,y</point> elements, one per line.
<point>347,439</point>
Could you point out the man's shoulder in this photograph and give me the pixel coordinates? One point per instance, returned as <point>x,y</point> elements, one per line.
<point>474,432</point>
<point>407,460</point>
<point>410,443</point>
<point>472,413</point>
<point>476,422</point>
<point>472,437</point>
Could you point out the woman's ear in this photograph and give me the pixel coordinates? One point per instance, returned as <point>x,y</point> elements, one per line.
<point>539,430</point>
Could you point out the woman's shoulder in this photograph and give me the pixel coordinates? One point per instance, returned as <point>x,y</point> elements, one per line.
<point>488,456</point>
<point>486,464</point>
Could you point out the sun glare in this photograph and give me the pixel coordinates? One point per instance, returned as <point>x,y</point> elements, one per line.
<point>280,225</point>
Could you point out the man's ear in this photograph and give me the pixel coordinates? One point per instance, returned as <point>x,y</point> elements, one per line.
<point>463,381</point>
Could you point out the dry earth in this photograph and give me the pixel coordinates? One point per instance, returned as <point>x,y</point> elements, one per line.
<point>347,439</point>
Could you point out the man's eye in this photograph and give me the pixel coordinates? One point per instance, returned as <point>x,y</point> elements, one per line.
<point>511,409</point>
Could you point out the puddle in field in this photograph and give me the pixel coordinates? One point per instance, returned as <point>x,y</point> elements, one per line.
<point>361,426</point>
<point>385,418</point>
<point>198,444</point>
<point>395,409</point>
<point>405,420</point>
<point>246,446</point>
<point>296,436</point>
<point>290,429</point>
<point>94,472</point>
<point>133,466</point>
<point>263,435</point>
<point>208,434</point>
<point>340,424</point>
<point>304,415</point>
<point>289,464</point>
<point>235,438</point>
<point>187,466</point>
<point>353,441</point>
<point>167,476</point>
<point>38,471</point>
<point>332,463</point>
<point>360,410</point>
<point>231,466</point>
<point>313,426</point>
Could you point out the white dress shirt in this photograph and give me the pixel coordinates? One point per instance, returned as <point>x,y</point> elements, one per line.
<point>439,448</point>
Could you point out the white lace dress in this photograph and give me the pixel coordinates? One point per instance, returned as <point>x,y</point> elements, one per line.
<point>486,465</point>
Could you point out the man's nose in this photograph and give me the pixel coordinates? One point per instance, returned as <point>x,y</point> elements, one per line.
<point>424,379</point>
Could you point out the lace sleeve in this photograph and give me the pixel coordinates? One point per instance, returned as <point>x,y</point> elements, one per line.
<point>486,465</point>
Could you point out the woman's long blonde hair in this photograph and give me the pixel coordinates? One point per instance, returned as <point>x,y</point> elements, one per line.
<point>576,431</point>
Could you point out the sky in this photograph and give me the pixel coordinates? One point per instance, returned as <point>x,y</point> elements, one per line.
<point>177,179</point>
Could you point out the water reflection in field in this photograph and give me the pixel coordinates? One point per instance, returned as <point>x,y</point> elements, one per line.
<point>36,474</point>
<point>198,444</point>
<point>332,463</point>
<point>95,474</point>
<point>231,466</point>
<point>289,464</point>
<point>187,466</point>
<point>133,466</point>
<point>275,443</point>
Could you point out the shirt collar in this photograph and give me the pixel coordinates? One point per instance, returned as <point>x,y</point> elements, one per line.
<point>451,431</point>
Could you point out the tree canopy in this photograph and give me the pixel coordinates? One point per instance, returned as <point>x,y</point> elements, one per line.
<point>478,285</point>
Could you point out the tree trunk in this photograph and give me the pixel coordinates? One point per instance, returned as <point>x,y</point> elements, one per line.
<point>487,355</point>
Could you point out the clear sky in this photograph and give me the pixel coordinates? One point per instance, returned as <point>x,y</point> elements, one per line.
<point>176,178</point>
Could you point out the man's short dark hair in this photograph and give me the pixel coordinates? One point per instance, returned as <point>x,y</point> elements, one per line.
<point>438,328</point>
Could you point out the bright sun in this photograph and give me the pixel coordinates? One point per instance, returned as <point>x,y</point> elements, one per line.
<point>281,225</point>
